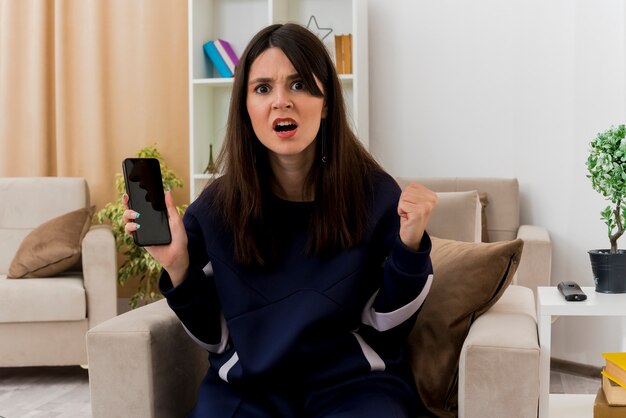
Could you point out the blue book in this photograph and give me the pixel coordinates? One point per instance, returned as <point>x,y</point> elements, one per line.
<point>227,53</point>
<point>216,58</point>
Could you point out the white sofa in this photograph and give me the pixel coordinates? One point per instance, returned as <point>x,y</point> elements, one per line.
<point>43,321</point>
<point>143,364</point>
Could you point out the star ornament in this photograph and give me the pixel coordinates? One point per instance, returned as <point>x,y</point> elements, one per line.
<point>314,27</point>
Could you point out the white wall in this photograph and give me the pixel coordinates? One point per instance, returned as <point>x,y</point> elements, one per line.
<point>508,88</point>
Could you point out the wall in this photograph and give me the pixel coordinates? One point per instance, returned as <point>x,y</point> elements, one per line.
<point>513,88</point>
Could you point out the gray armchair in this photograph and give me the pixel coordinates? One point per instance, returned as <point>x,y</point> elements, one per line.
<point>143,364</point>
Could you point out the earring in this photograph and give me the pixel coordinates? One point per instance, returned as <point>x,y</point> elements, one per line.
<point>323,128</point>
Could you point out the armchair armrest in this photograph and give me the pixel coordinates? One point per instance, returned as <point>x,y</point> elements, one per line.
<point>536,261</point>
<point>99,262</point>
<point>143,364</point>
<point>499,363</point>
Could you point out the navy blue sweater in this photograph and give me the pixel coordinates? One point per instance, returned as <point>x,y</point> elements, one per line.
<point>311,320</point>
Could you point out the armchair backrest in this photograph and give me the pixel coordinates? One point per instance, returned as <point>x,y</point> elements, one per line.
<point>27,202</point>
<point>502,211</point>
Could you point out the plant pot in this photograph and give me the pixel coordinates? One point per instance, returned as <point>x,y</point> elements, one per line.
<point>609,271</point>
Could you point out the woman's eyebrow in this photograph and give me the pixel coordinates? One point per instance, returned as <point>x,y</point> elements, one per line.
<point>260,80</point>
<point>290,77</point>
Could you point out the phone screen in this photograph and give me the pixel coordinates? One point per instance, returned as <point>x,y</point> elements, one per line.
<point>144,187</point>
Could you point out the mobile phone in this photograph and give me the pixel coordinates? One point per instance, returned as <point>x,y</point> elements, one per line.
<point>144,187</point>
<point>571,291</point>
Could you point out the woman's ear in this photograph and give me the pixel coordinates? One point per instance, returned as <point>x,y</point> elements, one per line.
<point>324,112</point>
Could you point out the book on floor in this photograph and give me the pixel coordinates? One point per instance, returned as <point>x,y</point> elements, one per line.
<point>602,409</point>
<point>614,393</point>
<point>615,368</point>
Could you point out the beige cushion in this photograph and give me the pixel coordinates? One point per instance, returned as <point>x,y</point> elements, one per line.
<point>23,208</point>
<point>468,279</point>
<point>457,216</point>
<point>503,209</point>
<point>42,300</point>
<point>53,247</point>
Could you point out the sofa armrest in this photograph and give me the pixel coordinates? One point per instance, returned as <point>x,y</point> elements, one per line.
<point>143,364</point>
<point>99,263</point>
<point>499,363</point>
<point>536,262</point>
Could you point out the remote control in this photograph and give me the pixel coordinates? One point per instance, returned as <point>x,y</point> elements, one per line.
<point>571,291</point>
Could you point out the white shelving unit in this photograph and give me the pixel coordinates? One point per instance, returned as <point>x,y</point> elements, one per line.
<point>237,22</point>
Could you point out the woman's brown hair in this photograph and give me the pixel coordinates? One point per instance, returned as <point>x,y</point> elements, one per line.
<point>339,177</point>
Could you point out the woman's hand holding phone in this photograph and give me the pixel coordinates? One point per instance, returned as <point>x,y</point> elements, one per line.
<point>174,256</point>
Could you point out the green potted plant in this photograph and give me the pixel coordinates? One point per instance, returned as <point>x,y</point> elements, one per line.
<point>137,262</point>
<point>606,165</point>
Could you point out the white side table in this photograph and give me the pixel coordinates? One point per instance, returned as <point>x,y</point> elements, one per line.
<point>549,303</point>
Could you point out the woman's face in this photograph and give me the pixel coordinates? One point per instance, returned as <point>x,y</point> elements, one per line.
<point>285,116</point>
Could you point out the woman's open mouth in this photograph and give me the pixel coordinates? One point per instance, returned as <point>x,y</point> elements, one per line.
<point>285,128</point>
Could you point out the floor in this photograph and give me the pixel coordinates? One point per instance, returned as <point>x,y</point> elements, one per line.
<point>44,392</point>
<point>63,392</point>
<point>564,382</point>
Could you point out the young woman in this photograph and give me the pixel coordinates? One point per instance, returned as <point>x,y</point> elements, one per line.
<point>301,269</point>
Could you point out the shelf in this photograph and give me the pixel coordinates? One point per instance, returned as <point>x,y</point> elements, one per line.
<point>214,81</point>
<point>551,302</point>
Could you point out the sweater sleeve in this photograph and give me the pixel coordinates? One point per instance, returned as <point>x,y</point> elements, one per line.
<point>407,277</point>
<point>195,300</point>
<point>404,276</point>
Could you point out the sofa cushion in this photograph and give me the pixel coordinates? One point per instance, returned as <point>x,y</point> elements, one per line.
<point>457,216</point>
<point>52,247</point>
<point>39,300</point>
<point>22,211</point>
<point>503,209</point>
<point>468,279</point>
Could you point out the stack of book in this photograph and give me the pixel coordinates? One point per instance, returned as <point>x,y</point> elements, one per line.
<point>222,56</point>
<point>343,54</point>
<point>611,398</point>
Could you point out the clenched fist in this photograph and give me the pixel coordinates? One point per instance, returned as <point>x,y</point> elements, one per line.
<point>414,208</point>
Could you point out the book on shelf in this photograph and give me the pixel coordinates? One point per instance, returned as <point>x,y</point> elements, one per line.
<point>615,368</point>
<point>602,409</point>
<point>339,54</point>
<point>343,54</point>
<point>614,393</point>
<point>216,58</point>
<point>228,54</point>
<point>347,53</point>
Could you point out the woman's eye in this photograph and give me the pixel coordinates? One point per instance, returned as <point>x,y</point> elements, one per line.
<point>298,85</point>
<point>262,89</point>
